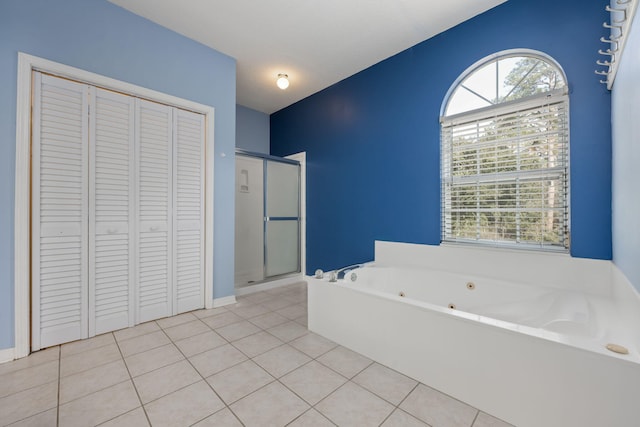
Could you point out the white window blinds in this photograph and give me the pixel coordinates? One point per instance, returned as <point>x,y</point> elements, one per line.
<point>505,174</point>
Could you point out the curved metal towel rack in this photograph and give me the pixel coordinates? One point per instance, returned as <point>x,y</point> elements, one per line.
<point>621,17</point>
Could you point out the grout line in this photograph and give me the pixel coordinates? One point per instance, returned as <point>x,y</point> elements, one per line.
<point>30,387</point>
<point>12,371</point>
<point>205,380</point>
<point>124,413</point>
<point>408,394</point>
<point>475,418</point>
<point>133,383</point>
<point>217,412</point>
<point>59,381</point>
<point>139,325</point>
<point>88,369</point>
<point>234,414</point>
<point>388,416</point>
<point>307,411</point>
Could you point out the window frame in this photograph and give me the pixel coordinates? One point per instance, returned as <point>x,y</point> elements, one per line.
<point>553,97</point>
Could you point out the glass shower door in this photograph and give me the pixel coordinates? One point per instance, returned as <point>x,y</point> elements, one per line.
<point>282,218</point>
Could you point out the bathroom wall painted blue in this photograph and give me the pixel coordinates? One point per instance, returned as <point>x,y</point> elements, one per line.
<point>100,37</point>
<point>626,158</point>
<point>252,130</point>
<point>372,140</point>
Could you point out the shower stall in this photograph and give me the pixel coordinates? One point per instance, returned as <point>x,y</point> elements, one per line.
<point>268,218</point>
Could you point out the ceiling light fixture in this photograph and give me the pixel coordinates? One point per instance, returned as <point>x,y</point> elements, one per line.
<point>283,81</point>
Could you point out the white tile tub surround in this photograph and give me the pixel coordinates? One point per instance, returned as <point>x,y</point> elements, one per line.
<point>518,373</point>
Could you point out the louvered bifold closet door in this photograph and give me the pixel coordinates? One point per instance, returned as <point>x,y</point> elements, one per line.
<point>188,158</point>
<point>154,156</point>
<point>59,211</point>
<point>111,209</point>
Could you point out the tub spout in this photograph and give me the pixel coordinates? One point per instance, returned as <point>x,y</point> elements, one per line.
<point>336,275</point>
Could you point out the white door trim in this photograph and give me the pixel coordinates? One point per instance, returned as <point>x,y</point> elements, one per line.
<point>302,158</point>
<point>22,244</point>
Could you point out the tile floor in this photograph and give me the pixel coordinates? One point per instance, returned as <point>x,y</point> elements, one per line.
<point>253,363</point>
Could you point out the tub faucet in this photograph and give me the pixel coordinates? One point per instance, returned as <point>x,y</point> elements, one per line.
<point>334,276</point>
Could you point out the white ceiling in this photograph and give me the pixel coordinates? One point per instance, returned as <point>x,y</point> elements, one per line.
<point>316,42</point>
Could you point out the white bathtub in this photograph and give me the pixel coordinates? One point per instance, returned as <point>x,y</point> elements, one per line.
<point>531,355</point>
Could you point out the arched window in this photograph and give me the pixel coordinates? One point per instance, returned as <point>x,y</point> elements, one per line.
<point>505,154</point>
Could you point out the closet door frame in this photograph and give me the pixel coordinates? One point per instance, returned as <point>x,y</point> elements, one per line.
<point>22,214</point>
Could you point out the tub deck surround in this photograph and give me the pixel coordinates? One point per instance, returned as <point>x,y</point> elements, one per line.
<point>574,318</point>
<point>531,355</point>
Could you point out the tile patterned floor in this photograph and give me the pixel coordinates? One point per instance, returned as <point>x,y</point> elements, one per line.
<point>253,363</point>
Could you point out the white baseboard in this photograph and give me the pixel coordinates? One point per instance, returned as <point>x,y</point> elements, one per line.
<point>269,285</point>
<point>220,302</point>
<point>7,355</point>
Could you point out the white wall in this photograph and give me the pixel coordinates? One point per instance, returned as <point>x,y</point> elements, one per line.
<point>626,159</point>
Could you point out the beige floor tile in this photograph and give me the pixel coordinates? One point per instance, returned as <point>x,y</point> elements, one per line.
<point>313,381</point>
<point>95,387</point>
<point>437,408</point>
<point>276,303</point>
<point>268,320</point>
<point>284,291</point>
<point>313,345</point>
<point>298,297</point>
<point>143,343</point>
<point>238,381</point>
<point>302,320</point>
<point>221,320</point>
<point>256,344</point>
<point>43,419</point>
<point>386,383</point>
<point>100,406</point>
<point>186,330</point>
<point>16,381</point>
<point>155,358</point>
<point>184,407</point>
<point>298,286</point>
<point>223,418</point>
<point>257,297</point>
<point>238,330</point>
<point>344,361</point>
<point>288,331</point>
<point>136,331</point>
<point>86,382</point>
<point>135,418</point>
<point>351,405</point>
<point>281,360</point>
<point>293,311</point>
<point>278,291</point>
<point>486,420</point>
<point>165,380</point>
<point>89,359</point>
<point>311,418</point>
<point>34,359</point>
<point>200,343</point>
<point>272,405</point>
<point>248,310</point>
<point>169,322</point>
<point>213,361</point>
<point>399,418</point>
<point>208,312</point>
<point>240,303</point>
<point>88,344</point>
<point>29,402</point>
